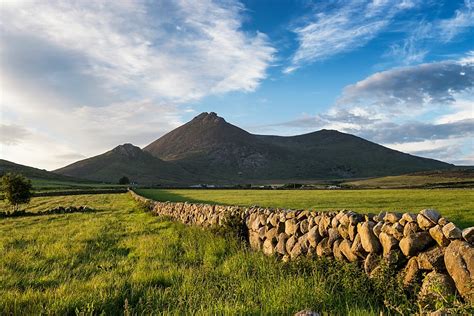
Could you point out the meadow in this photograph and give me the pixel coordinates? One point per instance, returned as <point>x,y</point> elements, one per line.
<point>123,260</point>
<point>455,204</point>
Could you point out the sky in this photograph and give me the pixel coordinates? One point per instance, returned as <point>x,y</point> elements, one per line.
<point>78,78</point>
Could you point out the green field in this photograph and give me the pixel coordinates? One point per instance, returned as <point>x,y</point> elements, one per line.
<point>456,204</point>
<point>121,260</point>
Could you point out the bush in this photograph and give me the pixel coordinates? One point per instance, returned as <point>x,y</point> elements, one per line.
<point>124,180</point>
<point>16,189</point>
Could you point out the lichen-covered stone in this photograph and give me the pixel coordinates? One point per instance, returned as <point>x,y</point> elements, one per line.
<point>432,259</point>
<point>392,217</point>
<point>431,215</point>
<point>414,243</point>
<point>423,222</point>
<point>388,243</point>
<point>410,228</point>
<point>468,235</point>
<point>345,248</point>
<point>459,261</point>
<point>436,233</point>
<point>451,231</point>
<point>411,273</point>
<point>369,241</point>
<point>291,226</point>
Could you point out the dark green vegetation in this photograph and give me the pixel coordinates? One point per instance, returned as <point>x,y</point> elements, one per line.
<point>208,149</point>
<point>427,179</point>
<point>456,204</point>
<point>16,189</point>
<point>123,260</point>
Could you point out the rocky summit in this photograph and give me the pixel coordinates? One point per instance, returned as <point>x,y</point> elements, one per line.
<point>209,149</point>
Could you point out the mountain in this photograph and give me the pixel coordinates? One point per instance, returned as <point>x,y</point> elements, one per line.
<point>32,173</point>
<point>215,150</point>
<point>130,161</point>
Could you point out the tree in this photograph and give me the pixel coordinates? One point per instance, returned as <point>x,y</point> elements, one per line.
<point>16,189</point>
<point>124,180</point>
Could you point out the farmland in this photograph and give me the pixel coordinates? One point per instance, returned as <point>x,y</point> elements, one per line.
<point>123,260</point>
<point>456,204</point>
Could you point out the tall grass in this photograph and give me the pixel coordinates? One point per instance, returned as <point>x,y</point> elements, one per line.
<point>122,260</point>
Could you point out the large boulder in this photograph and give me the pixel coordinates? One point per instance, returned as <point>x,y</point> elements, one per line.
<point>414,243</point>
<point>459,261</point>
<point>432,259</point>
<point>370,242</point>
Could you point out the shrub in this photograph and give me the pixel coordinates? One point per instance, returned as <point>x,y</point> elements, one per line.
<point>124,180</point>
<point>16,189</point>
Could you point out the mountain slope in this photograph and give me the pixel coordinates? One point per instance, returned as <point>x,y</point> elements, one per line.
<point>214,149</point>
<point>127,160</point>
<point>32,173</point>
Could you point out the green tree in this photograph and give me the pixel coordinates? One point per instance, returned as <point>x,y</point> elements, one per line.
<point>16,189</point>
<point>124,180</point>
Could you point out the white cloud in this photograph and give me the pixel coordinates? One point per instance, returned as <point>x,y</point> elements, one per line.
<point>348,26</point>
<point>91,74</point>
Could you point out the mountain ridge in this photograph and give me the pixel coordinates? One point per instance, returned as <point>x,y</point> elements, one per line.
<point>209,149</point>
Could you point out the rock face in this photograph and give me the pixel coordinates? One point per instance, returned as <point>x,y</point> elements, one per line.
<point>411,244</point>
<point>459,261</point>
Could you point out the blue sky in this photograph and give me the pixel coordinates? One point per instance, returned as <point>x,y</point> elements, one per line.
<point>80,77</point>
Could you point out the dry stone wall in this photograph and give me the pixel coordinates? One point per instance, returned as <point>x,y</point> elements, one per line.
<point>426,247</point>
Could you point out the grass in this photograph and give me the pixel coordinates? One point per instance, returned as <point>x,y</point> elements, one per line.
<point>122,260</point>
<point>40,185</point>
<point>455,204</point>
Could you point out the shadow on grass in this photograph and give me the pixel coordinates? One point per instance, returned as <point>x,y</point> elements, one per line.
<point>24,213</point>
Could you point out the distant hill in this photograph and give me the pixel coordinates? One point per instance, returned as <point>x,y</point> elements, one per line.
<point>211,148</point>
<point>130,161</point>
<point>32,173</point>
<point>452,178</point>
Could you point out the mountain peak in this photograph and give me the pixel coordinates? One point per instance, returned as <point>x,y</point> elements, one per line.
<point>210,117</point>
<point>127,150</point>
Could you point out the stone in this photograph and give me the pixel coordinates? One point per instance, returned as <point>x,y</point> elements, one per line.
<point>304,226</point>
<point>432,259</point>
<point>324,225</point>
<point>409,218</point>
<point>272,234</point>
<point>290,243</point>
<point>380,216</point>
<point>410,228</point>
<point>313,236</point>
<point>468,235</point>
<point>388,243</point>
<point>443,221</point>
<point>323,249</point>
<point>281,244</point>
<point>291,226</point>
<point>435,287</point>
<point>392,217</point>
<point>371,262</point>
<point>336,251</point>
<point>269,246</point>
<point>333,235</point>
<point>423,222</point>
<point>343,231</point>
<point>396,230</point>
<point>459,261</point>
<point>431,215</point>
<point>357,248</point>
<point>262,231</point>
<point>345,248</point>
<point>296,251</point>
<point>414,243</point>
<point>436,233</point>
<point>411,273</point>
<point>352,230</point>
<point>369,241</point>
<point>378,229</point>
<point>451,231</point>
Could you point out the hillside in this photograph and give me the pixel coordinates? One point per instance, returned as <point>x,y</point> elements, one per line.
<point>33,173</point>
<point>425,179</point>
<point>127,160</point>
<point>214,149</point>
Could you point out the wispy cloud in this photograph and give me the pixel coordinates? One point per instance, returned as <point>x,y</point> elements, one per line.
<point>426,109</point>
<point>423,34</point>
<point>343,27</point>
<point>94,73</point>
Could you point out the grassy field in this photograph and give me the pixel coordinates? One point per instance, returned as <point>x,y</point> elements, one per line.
<point>40,185</point>
<point>121,260</point>
<point>456,204</point>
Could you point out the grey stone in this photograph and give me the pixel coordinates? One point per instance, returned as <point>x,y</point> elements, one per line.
<point>451,231</point>
<point>414,243</point>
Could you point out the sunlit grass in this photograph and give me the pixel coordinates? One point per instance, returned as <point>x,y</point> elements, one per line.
<point>123,259</point>
<point>456,204</point>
